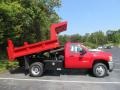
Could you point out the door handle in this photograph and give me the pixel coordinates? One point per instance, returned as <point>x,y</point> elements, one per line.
<point>81,57</point>
<point>71,56</point>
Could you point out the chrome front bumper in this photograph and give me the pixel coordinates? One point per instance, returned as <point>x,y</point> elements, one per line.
<point>111,65</point>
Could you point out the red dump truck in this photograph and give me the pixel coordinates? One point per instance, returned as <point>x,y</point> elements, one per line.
<point>49,55</point>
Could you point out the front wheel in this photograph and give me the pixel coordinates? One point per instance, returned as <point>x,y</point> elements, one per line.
<point>36,69</point>
<point>100,70</point>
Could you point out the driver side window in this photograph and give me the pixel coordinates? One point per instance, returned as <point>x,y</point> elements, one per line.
<point>76,48</point>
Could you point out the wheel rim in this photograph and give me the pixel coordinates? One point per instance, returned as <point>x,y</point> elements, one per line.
<point>100,70</point>
<point>35,70</point>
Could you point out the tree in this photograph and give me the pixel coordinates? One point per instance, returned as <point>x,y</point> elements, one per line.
<point>27,20</point>
<point>63,39</point>
<point>76,38</point>
<point>86,37</point>
<point>109,34</point>
<point>98,38</point>
<point>10,25</point>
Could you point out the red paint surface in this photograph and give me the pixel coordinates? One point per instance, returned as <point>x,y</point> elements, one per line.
<point>75,60</point>
<point>27,49</point>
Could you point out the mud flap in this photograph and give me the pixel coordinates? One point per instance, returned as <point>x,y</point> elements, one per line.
<point>26,59</point>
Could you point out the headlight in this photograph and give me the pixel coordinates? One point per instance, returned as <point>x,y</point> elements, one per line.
<point>110,58</point>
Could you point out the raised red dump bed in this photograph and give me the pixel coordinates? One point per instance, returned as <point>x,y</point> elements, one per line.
<point>27,49</point>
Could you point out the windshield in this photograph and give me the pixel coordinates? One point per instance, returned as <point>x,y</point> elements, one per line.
<point>84,47</point>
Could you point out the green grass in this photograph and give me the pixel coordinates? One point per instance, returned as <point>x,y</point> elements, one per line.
<point>6,65</point>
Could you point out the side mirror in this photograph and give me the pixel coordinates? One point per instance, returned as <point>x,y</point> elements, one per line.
<point>82,52</point>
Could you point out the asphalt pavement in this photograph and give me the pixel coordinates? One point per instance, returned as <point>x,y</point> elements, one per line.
<point>64,80</point>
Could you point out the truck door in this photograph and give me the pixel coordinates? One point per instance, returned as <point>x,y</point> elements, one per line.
<point>76,57</point>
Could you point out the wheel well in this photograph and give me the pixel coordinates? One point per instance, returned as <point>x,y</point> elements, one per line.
<point>30,61</point>
<point>101,61</point>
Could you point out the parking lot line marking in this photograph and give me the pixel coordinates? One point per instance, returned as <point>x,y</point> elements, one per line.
<point>60,81</point>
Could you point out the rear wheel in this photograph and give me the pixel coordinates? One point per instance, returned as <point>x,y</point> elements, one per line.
<point>100,70</point>
<point>36,69</point>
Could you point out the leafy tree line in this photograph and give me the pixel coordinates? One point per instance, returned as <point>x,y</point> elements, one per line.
<point>94,39</point>
<point>26,20</point>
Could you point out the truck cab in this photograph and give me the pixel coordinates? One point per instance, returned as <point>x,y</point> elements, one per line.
<point>78,56</point>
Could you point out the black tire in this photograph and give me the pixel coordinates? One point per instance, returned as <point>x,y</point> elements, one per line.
<point>36,69</point>
<point>100,70</point>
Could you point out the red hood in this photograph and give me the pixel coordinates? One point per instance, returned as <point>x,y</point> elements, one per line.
<point>101,55</point>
